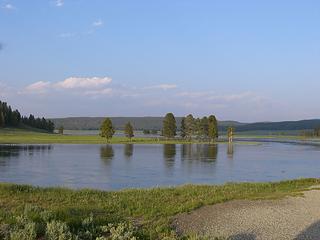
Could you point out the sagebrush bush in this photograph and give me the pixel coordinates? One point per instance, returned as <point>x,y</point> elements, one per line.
<point>24,229</point>
<point>57,230</point>
<point>122,231</point>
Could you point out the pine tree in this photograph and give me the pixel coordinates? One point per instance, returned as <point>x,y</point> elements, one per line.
<point>169,126</point>
<point>183,128</point>
<point>204,127</point>
<point>2,123</point>
<point>197,130</point>
<point>61,130</point>
<point>189,126</point>
<point>128,131</point>
<point>212,128</point>
<point>107,131</point>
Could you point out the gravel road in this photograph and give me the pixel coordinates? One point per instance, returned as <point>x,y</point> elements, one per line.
<point>290,218</point>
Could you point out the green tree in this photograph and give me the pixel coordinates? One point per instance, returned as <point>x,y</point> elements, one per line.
<point>204,127</point>
<point>183,128</point>
<point>169,126</point>
<point>106,130</point>
<point>197,128</point>
<point>2,123</point>
<point>212,128</point>
<point>189,126</point>
<point>61,130</point>
<point>128,130</point>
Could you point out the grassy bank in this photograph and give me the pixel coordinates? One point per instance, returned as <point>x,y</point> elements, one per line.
<point>150,211</point>
<point>17,136</point>
<point>23,136</point>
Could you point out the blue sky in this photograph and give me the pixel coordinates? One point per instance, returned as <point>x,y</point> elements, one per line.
<point>241,60</point>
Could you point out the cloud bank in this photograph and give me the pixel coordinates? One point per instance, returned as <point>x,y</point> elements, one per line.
<point>80,82</point>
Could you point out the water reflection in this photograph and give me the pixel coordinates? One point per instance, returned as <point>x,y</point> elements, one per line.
<point>230,150</point>
<point>202,152</point>
<point>169,151</point>
<point>7,151</point>
<point>169,154</point>
<point>128,150</point>
<point>106,153</point>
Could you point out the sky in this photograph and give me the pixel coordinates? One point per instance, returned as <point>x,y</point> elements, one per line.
<point>242,60</point>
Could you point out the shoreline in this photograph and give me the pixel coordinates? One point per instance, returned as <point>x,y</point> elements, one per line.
<point>20,136</point>
<point>151,211</point>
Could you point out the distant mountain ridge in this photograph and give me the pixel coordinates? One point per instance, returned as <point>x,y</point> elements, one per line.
<point>139,123</point>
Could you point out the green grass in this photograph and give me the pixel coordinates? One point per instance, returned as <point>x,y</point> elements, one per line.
<point>151,209</point>
<point>16,136</point>
<point>24,136</point>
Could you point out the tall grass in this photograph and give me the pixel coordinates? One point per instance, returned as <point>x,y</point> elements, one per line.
<point>151,211</point>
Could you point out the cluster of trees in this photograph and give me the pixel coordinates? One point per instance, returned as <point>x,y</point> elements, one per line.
<point>13,118</point>
<point>107,130</point>
<point>8,117</point>
<point>310,133</point>
<point>205,128</point>
<point>40,123</point>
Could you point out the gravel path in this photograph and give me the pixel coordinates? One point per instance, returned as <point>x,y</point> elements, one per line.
<point>290,218</point>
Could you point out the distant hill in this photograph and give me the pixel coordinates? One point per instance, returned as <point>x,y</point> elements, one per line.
<point>281,126</point>
<point>139,123</point>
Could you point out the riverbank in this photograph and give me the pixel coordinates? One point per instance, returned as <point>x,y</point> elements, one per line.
<point>149,211</point>
<point>21,136</point>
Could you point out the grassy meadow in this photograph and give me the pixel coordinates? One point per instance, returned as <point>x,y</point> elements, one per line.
<point>139,213</point>
<point>26,136</point>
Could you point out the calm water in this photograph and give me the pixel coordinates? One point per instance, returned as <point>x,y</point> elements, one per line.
<point>132,166</point>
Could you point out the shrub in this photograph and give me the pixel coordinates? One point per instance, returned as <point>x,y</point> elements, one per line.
<point>57,230</point>
<point>121,231</point>
<point>24,229</point>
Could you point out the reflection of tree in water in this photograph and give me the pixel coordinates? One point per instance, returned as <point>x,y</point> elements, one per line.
<point>230,150</point>
<point>202,152</point>
<point>169,154</point>
<point>128,150</point>
<point>7,151</point>
<point>106,153</point>
<point>169,151</point>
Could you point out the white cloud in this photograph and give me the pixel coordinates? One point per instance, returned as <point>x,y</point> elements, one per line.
<point>8,6</point>
<point>59,3</point>
<point>162,86</point>
<point>80,82</point>
<point>97,23</point>
<point>38,87</point>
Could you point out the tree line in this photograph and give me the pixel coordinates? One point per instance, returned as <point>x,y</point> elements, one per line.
<point>13,118</point>
<point>205,128</point>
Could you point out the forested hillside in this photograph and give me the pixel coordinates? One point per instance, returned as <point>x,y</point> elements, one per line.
<point>282,126</point>
<point>13,118</point>
<point>140,123</point>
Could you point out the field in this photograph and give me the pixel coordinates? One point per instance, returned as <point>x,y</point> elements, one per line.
<point>22,136</point>
<point>149,211</point>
